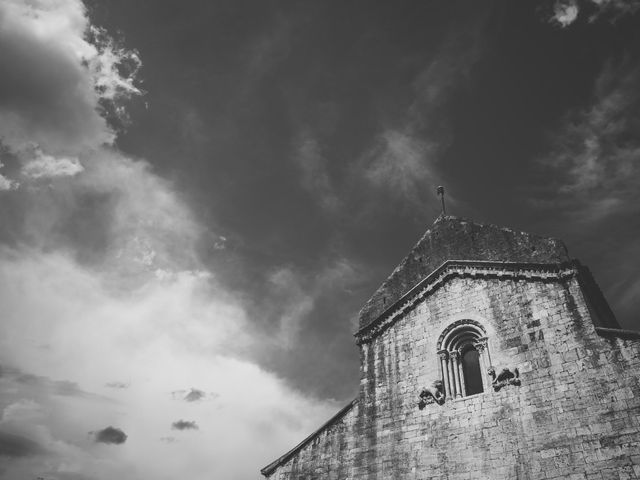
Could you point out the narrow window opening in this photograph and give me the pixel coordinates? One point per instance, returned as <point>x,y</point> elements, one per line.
<point>471,371</point>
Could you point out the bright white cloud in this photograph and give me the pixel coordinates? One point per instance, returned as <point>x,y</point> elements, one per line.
<point>103,287</point>
<point>54,82</point>
<point>166,335</point>
<point>42,165</point>
<point>565,12</point>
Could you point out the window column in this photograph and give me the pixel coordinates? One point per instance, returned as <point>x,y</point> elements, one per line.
<point>444,370</point>
<point>485,362</point>
<point>463,386</point>
<point>453,355</point>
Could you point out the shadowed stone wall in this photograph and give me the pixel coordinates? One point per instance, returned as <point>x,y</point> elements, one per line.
<point>575,415</point>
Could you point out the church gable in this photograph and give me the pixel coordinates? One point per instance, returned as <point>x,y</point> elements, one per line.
<point>454,238</point>
<point>487,368</point>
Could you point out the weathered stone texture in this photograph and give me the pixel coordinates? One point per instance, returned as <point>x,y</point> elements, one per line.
<point>575,415</point>
<point>454,238</point>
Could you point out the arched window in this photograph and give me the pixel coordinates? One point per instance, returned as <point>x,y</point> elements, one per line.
<point>464,355</point>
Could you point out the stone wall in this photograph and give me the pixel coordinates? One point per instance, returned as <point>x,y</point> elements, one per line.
<point>455,238</point>
<point>576,413</point>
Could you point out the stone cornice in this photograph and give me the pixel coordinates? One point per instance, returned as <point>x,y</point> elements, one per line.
<point>463,269</point>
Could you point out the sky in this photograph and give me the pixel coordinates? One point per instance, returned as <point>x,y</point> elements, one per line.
<point>197,198</point>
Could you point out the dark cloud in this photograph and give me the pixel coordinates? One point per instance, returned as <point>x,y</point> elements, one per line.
<point>193,395</point>
<point>39,385</point>
<point>17,446</point>
<point>184,425</point>
<point>110,435</point>
<point>118,385</point>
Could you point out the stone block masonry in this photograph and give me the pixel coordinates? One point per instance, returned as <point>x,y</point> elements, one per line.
<point>574,411</point>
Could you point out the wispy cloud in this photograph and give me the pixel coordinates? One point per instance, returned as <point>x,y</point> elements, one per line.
<point>594,154</point>
<point>313,166</point>
<point>565,12</point>
<point>293,294</point>
<point>403,158</point>
<point>401,162</point>
<point>118,385</point>
<point>5,183</point>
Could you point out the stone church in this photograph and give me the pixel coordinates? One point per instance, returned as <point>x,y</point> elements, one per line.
<point>487,354</point>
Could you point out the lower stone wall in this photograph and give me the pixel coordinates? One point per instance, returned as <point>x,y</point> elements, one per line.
<point>575,415</point>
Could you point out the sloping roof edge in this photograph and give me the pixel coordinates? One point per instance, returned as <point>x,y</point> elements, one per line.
<point>269,469</point>
<point>452,268</point>
<point>450,238</point>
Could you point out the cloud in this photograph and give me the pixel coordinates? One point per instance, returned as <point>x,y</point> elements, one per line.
<point>566,12</point>
<point>400,162</point>
<point>106,274</point>
<point>184,425</point>
<point>119,385</point>
<point>41,165</point>
<point>6,184</point>
<point>192,395</point>
<point>18,446</point>
<point>56,83</point>
<point>102,267</point>
<point>309,158</point>
<point>403,158</point>
<point>110,435</point>
<point>593,154</point>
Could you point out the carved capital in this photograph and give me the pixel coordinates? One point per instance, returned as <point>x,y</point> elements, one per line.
<point>443,354</point>
<point>453,355</point>
<point>481,344</point>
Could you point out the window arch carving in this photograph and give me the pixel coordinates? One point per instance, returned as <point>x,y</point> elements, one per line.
<point>464,357</point>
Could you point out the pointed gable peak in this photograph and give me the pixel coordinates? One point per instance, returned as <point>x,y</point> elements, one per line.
<point>457,238</point>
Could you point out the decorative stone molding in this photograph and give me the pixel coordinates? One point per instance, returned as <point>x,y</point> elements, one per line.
<point>506,377</point>
<point>481,344</point>
<point>443,354</point>
<point>432,394</point>
<point>463,269</point>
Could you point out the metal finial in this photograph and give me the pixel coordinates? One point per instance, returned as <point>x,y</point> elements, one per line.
<point>440,191</point>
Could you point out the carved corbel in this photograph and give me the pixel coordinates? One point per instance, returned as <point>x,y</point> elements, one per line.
<point>506,377</point>
<point>432,394</point>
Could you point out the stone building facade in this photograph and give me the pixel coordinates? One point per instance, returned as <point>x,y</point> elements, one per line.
<point>487,354</point>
